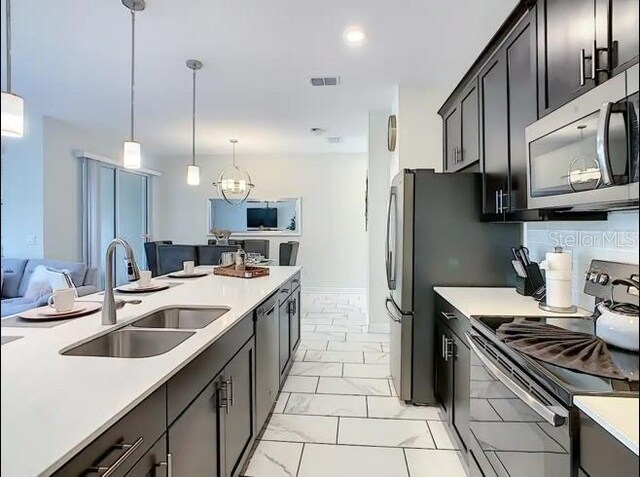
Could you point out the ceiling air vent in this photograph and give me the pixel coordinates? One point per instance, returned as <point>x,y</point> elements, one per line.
<point>334,140</point>
<point>325,81</point>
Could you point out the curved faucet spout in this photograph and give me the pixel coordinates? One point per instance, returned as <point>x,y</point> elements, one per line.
<point>133,274</point>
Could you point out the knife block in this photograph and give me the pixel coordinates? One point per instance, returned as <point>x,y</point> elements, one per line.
<point>532,282</point>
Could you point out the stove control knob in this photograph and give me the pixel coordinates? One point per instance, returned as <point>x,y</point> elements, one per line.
<point>587,274</point>
<point>603,279</point>
<point>593,277</point>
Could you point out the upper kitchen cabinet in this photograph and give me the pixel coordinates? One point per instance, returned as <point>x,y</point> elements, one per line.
<point>461,127</point>
<point>507,105</point>
<point>624,33</point>
<point>582,43</point>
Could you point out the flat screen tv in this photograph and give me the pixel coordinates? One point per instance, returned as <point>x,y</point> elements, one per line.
<point>262,217</point>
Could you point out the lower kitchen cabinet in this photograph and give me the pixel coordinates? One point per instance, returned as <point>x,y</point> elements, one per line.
<point>203,421</point>
<point>193,437</point>
<point>155,463</point>
<point>294,321</point>
<point>285,345</point>
<point>453,368</point>
<point>236,408</point>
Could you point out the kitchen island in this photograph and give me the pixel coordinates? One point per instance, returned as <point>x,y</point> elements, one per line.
<point>54,406</point>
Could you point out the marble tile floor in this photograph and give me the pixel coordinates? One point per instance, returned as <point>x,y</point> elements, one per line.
<point>337,414</point>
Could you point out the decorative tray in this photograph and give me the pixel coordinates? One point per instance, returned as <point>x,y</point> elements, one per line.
<point>246,272</point>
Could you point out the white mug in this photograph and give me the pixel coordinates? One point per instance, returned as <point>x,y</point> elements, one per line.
<point>62,299</point>
<point>145,279</point>
<point>189,267</point>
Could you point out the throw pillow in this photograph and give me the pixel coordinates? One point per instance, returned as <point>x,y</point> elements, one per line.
<point>44,280</point>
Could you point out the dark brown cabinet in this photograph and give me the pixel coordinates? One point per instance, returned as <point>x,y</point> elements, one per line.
<point>289,325</point>
<point>582,43</point>
<point>237,409</point>
<point>624,34</point>
<point>155,463</point>
<point>294,321</point>
<point>495,134</point>
<point>461,129</point>
<point>453,368</point>
<point>285,345</point>
<point>508,105</point>
<point>566,40</point>
<point>193,437</point>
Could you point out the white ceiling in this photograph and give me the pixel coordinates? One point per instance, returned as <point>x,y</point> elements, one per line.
<point>71,60</point>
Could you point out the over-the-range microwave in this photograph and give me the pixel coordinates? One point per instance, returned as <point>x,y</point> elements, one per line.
<point>584,155</point>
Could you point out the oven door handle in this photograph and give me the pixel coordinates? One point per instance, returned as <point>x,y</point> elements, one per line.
<point>389,312</point>
<point>548,413</point>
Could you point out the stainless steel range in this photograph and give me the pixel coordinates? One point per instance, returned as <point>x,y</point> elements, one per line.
<point>523,421</point>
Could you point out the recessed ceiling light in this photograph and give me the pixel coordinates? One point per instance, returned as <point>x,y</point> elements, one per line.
<point>354,35</point>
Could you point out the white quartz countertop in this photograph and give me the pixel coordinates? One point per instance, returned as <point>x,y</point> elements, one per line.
<point>475,301</point>
<point>618,415</point>
<point>54,405</point>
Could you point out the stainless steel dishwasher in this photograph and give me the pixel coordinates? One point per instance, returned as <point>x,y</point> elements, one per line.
<point>267,358</point>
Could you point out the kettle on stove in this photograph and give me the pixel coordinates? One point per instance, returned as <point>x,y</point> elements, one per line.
<point>618,323</point>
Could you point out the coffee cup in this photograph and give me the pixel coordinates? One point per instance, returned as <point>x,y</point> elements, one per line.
<point>145,279</point>
<point>189,267</point>
<point>62,299</point>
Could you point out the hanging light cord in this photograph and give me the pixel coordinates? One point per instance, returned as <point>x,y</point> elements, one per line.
<point>193,122</point>
<point>234,154</point>
<point>8,43</point>
<point>133,68</point>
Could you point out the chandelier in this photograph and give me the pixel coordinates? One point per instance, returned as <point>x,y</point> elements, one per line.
<point>234,184</point>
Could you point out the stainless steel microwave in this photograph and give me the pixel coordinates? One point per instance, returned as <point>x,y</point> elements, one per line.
<point>584,155</point>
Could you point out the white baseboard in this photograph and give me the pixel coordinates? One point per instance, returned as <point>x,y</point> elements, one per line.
<point>353,291</point>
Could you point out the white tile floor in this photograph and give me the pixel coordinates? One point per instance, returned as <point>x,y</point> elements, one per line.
<point>337,415</point>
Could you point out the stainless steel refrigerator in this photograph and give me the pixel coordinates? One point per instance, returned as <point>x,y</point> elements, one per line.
<point>435,238</point>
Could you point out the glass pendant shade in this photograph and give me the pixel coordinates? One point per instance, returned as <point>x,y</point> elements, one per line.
<point>132,156</point>
<point>12,115</point>
<point>234,185</point>
<point>193,175</point>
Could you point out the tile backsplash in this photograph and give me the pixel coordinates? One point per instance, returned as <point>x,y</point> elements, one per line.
<point>615,240</point>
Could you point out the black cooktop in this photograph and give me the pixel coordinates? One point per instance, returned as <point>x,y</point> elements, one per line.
<point>562,382</point>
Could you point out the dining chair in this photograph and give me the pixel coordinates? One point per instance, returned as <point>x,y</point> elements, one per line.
<point>211,254</point>
<point>151,251</point>
<point>171,257</point>
<point>289,253</point>
<point>257,246</point>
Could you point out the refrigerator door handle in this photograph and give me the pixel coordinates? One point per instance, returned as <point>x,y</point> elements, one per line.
<point>391,282</point>
<point>389,312</point>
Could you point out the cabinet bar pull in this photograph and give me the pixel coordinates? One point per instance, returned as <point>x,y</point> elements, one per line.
<point>444,355</point>
<point>231,391</point>
<point>128,450</point>
<point>168,464</point>
<point>226,404</point>
<point>449,316</point>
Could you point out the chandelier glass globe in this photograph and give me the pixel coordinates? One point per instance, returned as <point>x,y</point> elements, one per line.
<point>234,184</point>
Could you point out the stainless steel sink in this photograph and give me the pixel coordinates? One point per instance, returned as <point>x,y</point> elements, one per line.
<point>129,343</point>
<point>181,318</point>
<point>9,339</point>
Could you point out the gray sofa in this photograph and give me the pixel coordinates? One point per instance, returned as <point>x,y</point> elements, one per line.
<point>15,281</point>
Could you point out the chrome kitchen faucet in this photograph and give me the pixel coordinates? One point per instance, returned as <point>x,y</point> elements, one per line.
<point>133,274</point>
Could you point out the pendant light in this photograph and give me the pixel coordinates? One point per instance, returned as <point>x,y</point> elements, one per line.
<point>234,184</point>
<point>193,171</point>
<point>12,104</point>
<point>132,155</point>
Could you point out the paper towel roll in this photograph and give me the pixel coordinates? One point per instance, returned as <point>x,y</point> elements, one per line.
<point>559,272</point>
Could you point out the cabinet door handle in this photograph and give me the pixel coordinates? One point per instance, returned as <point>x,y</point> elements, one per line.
<point>449,316</point>
<point>461,155</point>
<point>128,450</point>
<point>444,355</point>
<point>168,464</point>
<point>448,353</point>
<point>224,402</point>
<point>231,391</point>
<point>497,202</point>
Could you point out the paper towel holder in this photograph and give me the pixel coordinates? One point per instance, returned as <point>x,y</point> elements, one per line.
<point>543,304</point>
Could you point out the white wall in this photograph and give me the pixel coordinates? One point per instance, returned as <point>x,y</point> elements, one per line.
<point>22,194</point>
<point>615,240</point>
<point>333,241</point>
<point>378,173</point>
<point>419,142</point>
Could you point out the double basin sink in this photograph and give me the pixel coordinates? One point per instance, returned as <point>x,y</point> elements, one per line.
<point>150,335</point>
